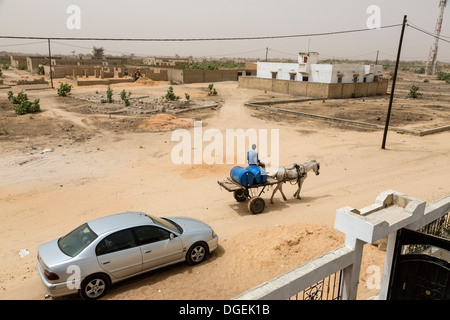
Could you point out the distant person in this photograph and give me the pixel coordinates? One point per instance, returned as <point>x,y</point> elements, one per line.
<point>137,75</point>
<point>252,158</point>
<point>125,72</point>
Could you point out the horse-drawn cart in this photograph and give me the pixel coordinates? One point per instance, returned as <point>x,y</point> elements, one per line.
<point>256,204</point>
<point>295,175</point>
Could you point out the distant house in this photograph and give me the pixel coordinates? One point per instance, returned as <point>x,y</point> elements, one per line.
<point>308,69</point>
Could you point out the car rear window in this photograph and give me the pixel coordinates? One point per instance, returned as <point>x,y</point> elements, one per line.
<point>75,241</point>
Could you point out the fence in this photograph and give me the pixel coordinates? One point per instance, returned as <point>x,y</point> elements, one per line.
<point>315,89</point>
<point>317,278</point>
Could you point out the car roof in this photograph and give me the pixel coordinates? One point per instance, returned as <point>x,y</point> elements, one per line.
<point>118,221</point>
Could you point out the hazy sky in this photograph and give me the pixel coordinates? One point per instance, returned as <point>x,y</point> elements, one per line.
<point>225,18</point>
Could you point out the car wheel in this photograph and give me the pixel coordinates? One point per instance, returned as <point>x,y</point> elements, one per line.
<point>196,253</point>
<point>94,287</point>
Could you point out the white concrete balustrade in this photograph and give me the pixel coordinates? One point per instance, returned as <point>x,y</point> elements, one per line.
<point>390,212</point>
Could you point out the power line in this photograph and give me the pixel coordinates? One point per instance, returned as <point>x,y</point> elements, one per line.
<point>427,32</point>
<point>234,54</point>
<point>88,48</point>
<point>144,55</point>
<point>201,39</point>
<point>21,44</point>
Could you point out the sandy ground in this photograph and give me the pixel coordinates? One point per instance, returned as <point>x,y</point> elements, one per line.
<point>102,165</point>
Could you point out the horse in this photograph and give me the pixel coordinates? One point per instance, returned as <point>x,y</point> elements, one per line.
<point>297,171</point>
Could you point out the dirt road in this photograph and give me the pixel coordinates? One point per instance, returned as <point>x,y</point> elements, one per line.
<point>96,170</point>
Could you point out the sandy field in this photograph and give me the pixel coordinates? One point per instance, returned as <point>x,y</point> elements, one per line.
<point>101,164</point>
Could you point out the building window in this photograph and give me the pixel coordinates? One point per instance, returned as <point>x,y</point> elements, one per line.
<point>274,74</point>
<point>339,78</point>
<point>365,79</point>
<point>305,78</point>
<point>355,78</point>
<point>292,76</point>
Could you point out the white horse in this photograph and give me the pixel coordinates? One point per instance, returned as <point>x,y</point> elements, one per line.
<point>297,171</point>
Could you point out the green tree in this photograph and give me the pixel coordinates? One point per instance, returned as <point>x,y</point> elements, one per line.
<point>109,94</point>
<point>125,97</point>
<point>98,53</point>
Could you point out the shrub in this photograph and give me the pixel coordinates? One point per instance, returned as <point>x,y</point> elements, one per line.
<point>28,107</point>
<point>5,66</point>
<point>170,95</point>
<point>213,65</point>
<point>22,105</point>
<point>426,80</point>
<point>64,89</point>
<point>41,70</point>
<point>21,67</point>
<point>413,92</point>
<point>443,76</point>
<point>188,97</point>
<point>125,97</point>
<point>212,90</point>
<point>109,94</point>
<point>21,97</point>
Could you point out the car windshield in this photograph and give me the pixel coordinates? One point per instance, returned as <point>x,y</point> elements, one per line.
<point>166,223</point>
<point>74,242</point>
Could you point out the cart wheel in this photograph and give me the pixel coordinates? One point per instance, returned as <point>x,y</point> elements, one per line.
<point>256,205</point>
<point>240,195</point>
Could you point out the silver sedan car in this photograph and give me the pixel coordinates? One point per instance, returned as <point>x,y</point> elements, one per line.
<point>104,251</point>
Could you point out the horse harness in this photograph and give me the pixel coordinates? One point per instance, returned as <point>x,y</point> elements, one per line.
<point>301,172</point>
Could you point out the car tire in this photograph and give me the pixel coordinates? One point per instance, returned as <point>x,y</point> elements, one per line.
<point>94,287</point>
<point>197,253</point>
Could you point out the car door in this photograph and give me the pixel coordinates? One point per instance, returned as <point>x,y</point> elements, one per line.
<point>119,255</point>
<point>158,246</point>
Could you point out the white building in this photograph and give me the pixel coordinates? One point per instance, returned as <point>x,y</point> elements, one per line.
<point>308,69</point>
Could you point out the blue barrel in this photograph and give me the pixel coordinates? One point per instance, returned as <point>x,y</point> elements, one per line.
<point>259,173</point>
<point>242,176</point>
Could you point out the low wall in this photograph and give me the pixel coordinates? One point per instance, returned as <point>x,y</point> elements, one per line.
<point>72,71</point>
<point>102,81</point>
<point>198,76</point>
<point>313,89</point>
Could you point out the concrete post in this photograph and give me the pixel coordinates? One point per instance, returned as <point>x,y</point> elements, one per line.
<point>350,275</point>
<point>387,266</point>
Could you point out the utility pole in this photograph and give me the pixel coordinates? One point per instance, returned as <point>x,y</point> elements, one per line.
<point>376,60</point>
<point>393,83</point>
<point>50,58</point>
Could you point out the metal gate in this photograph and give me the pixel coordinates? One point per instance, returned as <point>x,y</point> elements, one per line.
<point>420,267</point>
